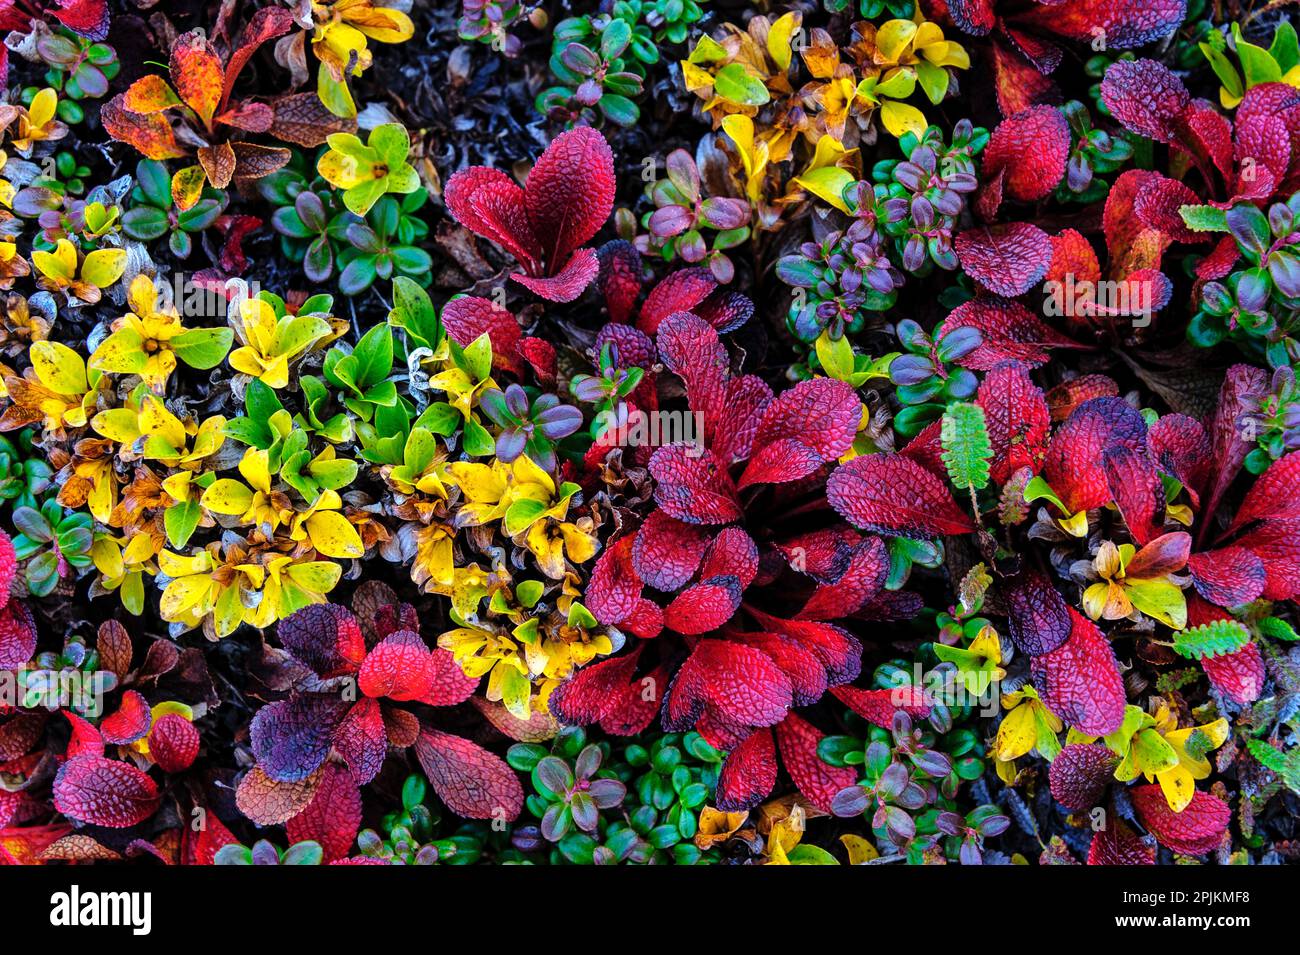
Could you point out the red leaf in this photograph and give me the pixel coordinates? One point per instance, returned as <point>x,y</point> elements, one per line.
<point>570,193</point>
<point>326,637</point>
<point>703,607</point>
<point>1229,577</point>
<point>1146,97</point>
<point>1019,426</point>
<point>1277,544</point>
<point>839,651</point>
<point>174,743</point>
<point>130,722</point>
<point>1032,147</point>
<point>473,782</point>
<point>1181,448</point>
<point>448,684</point>
<point>19,733</point>
<point>614,588</point>
<point>291,738</point>
<point>400,668</point>
<point>863,577</point>
<point>668,551</point>
<point>1238,675</point>
<point>17,635</point>
<point>1198,829</point>
<point>631,347</point>
<point>361,738</point>
<point>1124,23</point>
<point>588,695</point>
<point>1038,615</point>
<point>87,17</point>
<point>1068,395</point>
<point>976,17</point>
<point>817,780</point>
<point>635,704</point>
<point>891,494</point>
<point>619,279</point>
<point>812,423</point>
<point>104,792</point>
<point>1244,386</point>
<point>879,706</point>
<point>1019,85</point>
<point>333,816</point>
<point>469,317</point>
<point>85,739</point>
<point>726,310</point>
<point>540,355</point>
<point>1075,465</point>
<point>732,553</point>
<point>1080,682</point>
<point>1275,495</point>
<point>1157,203</point>
<point>491,204</point>
<point>1117,844</point>
<point>690,349</point>
<point>1137,491</point>
<point>680,291</point>
<point>748,773</point>
<point>693,486</point>
<point>1080,774</point>
<point>742,684</point>
<point>568,282</point>
<point>1010,332</point>
<point>201,848</point>
<point>1007,259</point>
<point>800,664</point>
<point>746,400</point>
<point>8,568</point>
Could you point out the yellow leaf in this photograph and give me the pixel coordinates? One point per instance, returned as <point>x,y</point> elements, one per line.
<point>779,36</point>
<point>227,496</point>
<point>893,37</point>
<point>828,184</point>
<point>899,118</point>
<point>59,368</point>
<point>187,186</point>
<point>860,850</point>
<point>103,267</point>
<point>334,536</point>
<point>1017,734</point>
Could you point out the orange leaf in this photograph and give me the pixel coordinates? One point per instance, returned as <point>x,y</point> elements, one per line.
<point>151,135</point>
<point>150,94</point>
<point>196,71</point>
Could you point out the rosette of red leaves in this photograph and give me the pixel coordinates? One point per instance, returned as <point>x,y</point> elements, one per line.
<point>567,198</point>
<point>744,511</point>
<point>317,747</point>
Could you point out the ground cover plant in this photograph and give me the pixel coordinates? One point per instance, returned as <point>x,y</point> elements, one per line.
<point>649,432</point>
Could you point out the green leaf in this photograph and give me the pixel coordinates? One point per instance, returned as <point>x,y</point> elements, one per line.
<point>966,448</point>
<point>414,313</point>
<point>1275,628</point>
<point>180,522</point>
<point>736,84</point>
<point>1211,639</point>
<point>1203,218</point>
<point>1256,64</point>
<point>203,348</point>
<point>374,357</point>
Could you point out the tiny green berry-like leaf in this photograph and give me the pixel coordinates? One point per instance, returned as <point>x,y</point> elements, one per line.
<point>1211,639</point>
<point>966,447</point>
